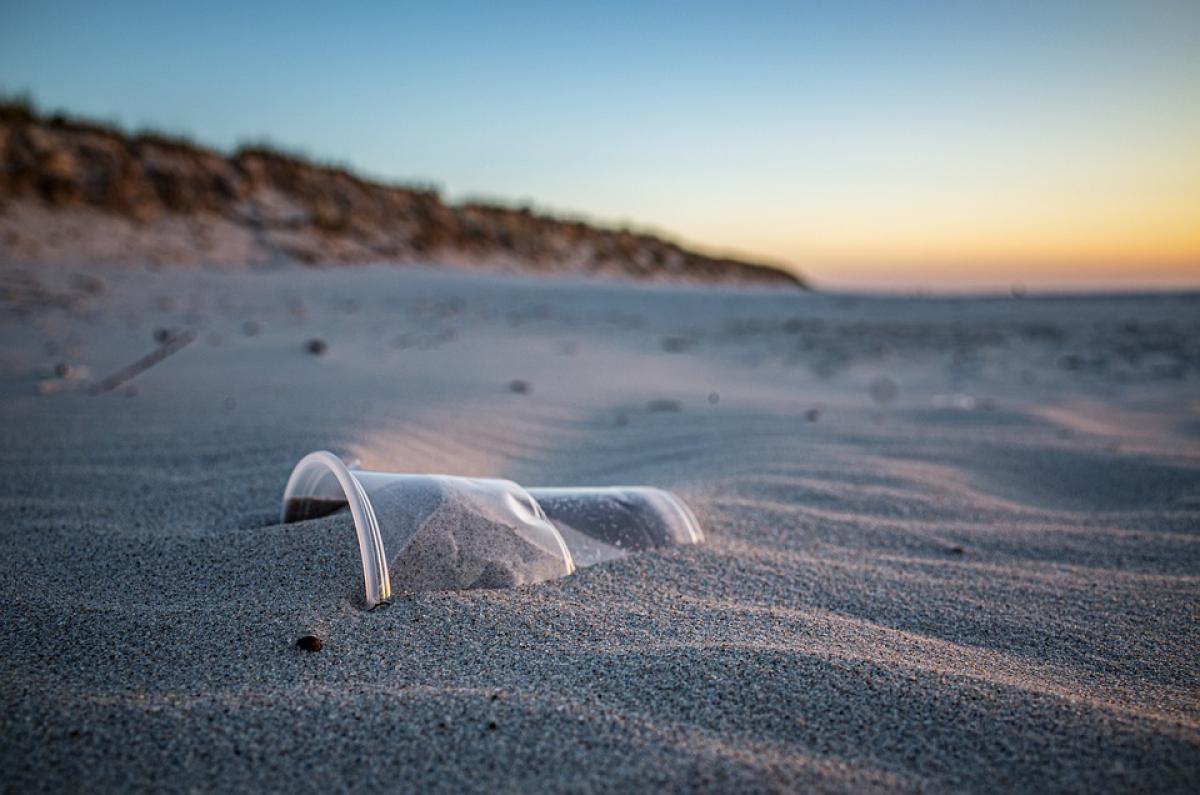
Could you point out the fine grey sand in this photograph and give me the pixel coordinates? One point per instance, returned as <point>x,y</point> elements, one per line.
<point>951,544</point>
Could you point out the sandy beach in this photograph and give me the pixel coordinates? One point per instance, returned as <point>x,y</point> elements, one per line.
<point>952,544</point>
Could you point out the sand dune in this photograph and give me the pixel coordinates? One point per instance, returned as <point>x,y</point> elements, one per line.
<point>952,544</point>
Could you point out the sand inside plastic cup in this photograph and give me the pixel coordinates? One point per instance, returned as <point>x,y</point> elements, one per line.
<point>441,532</point>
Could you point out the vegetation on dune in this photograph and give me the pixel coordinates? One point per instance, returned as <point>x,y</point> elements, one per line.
<point>319,213</point>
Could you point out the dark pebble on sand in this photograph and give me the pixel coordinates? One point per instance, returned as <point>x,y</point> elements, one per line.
<point>956,550</point>
<point>250,328</point>
<point>316,346</point>
<point>714,398</point>
<point>812,415</point>
<point>520,387</point>
<point>310,643</point>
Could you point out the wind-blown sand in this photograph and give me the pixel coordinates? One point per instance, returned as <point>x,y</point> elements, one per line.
<point>952,544</point>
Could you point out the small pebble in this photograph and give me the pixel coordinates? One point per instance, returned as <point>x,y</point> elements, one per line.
<point>250,328</point>
<point>812,415</point>
<point>955,550</point>
<point>520,387</point>
<point>310,643</point>
<point>714,398</point>
<point>316,346</point>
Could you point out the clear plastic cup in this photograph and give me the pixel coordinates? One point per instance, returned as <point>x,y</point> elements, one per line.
<point>441,532</point>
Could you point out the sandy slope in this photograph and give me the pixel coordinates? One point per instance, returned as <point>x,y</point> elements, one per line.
<point>989,581</point>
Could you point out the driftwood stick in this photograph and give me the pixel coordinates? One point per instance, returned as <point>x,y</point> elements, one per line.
<point>175,343</point>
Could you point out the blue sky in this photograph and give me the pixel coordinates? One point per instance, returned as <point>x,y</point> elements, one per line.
<point>875,143</point>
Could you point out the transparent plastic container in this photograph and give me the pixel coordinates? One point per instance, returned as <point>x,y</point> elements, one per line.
<point>441,532</point>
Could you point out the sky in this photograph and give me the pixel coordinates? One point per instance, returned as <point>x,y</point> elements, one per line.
<point>869,145</point>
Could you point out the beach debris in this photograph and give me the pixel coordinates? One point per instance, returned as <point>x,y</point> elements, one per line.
<point>316,346</point>
<point>440,532</point>
<point>883,390</point>
<point>174,343</point>
<point>520,387</point>
<point>310,643</point>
